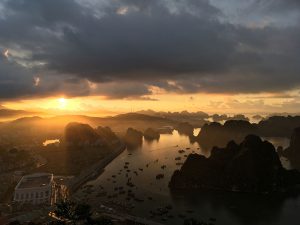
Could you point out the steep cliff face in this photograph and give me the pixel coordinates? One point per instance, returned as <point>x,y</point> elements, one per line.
<point>252,166</point>
<point>107,135</point>
<point>185,128</point>
<point>133,138</point>
<point>78,134</point>
<point>279,126</point>
<point>293,151</point>
<point>215,134</point>
<point>295,141</point>
<point>151,134</point>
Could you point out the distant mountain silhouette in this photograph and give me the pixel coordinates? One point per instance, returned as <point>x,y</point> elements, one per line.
<point>238,117</point>
<point>53,127</point>
<point>196,119</point>
<point>6,113</point>
<point>216,134</point>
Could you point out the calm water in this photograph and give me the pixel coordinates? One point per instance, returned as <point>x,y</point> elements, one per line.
<point>227,208</point>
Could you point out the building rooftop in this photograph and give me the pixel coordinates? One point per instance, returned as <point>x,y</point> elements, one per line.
<point>35,180</point>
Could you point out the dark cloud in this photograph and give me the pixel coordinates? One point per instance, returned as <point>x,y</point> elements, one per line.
<point>126,47</point>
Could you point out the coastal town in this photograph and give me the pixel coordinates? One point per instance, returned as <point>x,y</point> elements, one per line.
<point>33,194</point>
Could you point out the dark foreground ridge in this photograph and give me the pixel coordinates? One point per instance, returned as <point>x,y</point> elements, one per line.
<point>252,166</point>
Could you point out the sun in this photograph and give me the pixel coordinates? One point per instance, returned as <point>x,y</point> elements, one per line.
<point>62,103</point>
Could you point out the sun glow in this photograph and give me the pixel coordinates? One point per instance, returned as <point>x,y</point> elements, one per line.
<point>100,106</point>
<point>62,103</point>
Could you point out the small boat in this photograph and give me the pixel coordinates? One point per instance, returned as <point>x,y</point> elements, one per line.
<point>159,176</point>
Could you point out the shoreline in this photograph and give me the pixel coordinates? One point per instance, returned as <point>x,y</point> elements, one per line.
<point>95,170</point>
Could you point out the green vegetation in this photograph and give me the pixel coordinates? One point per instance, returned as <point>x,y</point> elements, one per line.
<point>10,161</point>
<point>69,212</point>
<point>14,159</point>
<point>78,213</point>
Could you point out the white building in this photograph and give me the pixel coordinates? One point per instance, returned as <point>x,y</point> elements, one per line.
<point>38,188</point>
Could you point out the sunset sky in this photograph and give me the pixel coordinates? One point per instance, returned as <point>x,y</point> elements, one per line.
<point>102,57</point>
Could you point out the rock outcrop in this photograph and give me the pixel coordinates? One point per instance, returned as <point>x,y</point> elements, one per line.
<point>151,134</point>
<point>83,135</point>
<point>107,135</point>
<point>216,134</point>
<point>185,128</point>
<point>79,134</point>
<point>238,117</point>
<point>219,118</point>
<point>278,126</point>
<point>292,153</point>
<point>252,166</point>
<point>133,138</point>
<point>258,117</point>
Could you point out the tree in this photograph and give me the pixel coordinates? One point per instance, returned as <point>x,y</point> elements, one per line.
<point>73,212</point>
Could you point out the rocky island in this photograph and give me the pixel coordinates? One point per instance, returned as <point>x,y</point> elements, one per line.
<point>185,128</point>
<point>151,134</point>
<point>81,147</point>
<point>80,135</point>
<point>133,138</point>
<point>252,166</point>
<point>217,134</point>
<point>292,153</point>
